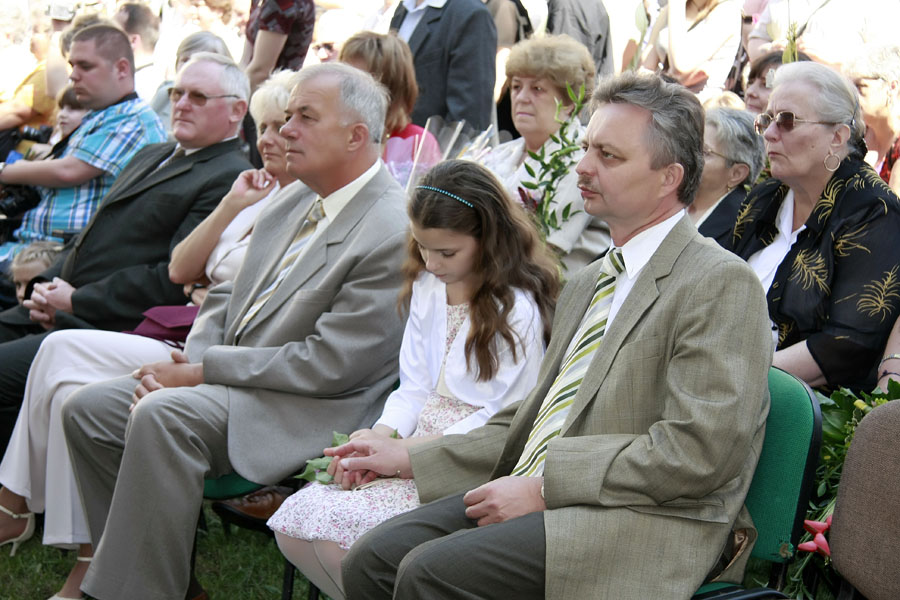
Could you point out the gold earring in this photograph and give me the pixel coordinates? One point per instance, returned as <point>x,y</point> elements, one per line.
<point>836,162</point>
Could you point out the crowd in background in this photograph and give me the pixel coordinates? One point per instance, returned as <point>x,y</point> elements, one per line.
<point>799,179</point>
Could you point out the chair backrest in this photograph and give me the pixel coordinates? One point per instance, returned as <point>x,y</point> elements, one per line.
<point>782,485</point>
<point>865,529</point>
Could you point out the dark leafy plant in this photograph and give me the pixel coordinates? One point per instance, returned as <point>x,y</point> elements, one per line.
<point>841,414</point>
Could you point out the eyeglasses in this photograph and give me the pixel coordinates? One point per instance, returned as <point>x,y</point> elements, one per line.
<point>707,152</point>
<point>784,121</point>
<point>194,97</point>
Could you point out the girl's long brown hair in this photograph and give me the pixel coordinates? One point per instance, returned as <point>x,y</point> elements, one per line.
<point>511,255</point>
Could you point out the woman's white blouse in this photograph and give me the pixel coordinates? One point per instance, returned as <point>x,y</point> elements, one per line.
<point>422,352</point>
<point>226,258</point>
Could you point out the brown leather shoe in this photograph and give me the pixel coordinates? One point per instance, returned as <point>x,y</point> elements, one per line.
<point>259,505</point>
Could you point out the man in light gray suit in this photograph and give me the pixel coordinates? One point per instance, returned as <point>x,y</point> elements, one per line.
<point>303,342</point>
<point>623,474</point>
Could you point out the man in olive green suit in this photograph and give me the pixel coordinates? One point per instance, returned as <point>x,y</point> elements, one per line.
<point>624,472</point>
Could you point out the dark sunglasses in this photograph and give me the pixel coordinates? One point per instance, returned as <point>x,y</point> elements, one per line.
<point>784,121</point>
<point>195,98</point>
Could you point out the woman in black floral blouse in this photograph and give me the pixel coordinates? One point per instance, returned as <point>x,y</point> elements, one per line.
<point>822,234</point>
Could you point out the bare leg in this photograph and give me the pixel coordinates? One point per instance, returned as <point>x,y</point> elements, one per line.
<point>319,561</point>
<point>72,587</point>
<point>9,527</point>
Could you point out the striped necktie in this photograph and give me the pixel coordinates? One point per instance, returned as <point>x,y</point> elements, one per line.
<point>316,213</point>
<point>587,339</point>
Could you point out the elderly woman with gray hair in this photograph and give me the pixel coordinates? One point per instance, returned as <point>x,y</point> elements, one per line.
<point>733,156</point>
<point>821,233</point>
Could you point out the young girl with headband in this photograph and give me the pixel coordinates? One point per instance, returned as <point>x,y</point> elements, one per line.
<point>481,289</point>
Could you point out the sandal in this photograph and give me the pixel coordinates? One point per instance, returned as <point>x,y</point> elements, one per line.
<point>26,535</point>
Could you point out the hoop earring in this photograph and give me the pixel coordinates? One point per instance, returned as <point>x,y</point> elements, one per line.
<point>836,163</point>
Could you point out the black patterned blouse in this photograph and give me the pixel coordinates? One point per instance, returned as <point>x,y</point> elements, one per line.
<point>838,288</point>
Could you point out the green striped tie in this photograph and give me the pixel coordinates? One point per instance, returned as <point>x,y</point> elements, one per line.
<point>587,338</point>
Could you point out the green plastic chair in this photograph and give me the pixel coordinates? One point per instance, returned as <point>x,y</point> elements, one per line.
<point>782,485</point>
<point>228,486</point>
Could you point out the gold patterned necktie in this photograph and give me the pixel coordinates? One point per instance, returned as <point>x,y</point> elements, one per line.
<point>316,214</point>
<point>584,344</point>
<point>178,153</point>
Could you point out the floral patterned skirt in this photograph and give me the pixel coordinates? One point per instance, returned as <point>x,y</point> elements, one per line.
<point>328,512</point>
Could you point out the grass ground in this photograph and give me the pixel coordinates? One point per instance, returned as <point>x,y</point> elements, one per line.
<point>244,566</point>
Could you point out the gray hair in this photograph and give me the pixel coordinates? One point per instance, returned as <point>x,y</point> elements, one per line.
<point>736,135</point>
<point>272,95</point>
<point>233,80</point>
<point>836,100</point>
<point>881,63</point>
<point>201,41</point>
<point>362,97</point>
<point>675,134</point>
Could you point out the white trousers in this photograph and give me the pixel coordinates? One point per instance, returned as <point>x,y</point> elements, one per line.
<point>36,464</point>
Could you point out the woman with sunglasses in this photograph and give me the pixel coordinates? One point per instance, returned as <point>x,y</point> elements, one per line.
<point>821,233</point>
<point>733,156</point>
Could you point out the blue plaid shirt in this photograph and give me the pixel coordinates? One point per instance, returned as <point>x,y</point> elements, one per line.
<point>107,139</point>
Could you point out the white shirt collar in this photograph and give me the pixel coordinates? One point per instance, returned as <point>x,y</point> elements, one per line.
<point>189,151</point>
<point>638,251</point>
<point>335,202</point>
<point>410,5</point>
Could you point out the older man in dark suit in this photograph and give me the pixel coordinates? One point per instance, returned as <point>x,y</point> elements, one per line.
<point>118,266</point>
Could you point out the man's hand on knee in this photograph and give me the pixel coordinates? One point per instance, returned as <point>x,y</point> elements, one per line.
<point>504,498</point>
<point>166,374</point>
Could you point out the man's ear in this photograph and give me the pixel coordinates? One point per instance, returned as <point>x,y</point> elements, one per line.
<point>359,135</point>
<point>238,110</point>
<point>123,68</point>
<point>672,177</point>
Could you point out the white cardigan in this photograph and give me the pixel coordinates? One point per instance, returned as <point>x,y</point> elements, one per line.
<point>422,352</point>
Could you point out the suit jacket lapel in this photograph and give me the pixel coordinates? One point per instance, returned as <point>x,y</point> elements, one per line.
<point>124,187</point>
<point>268,244</point>
<point>640,299</point>
<point>399,14</point>
<point>569,313</point>
<point>150,177</point>
<point>315,256</point>
<point>428,24</point>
